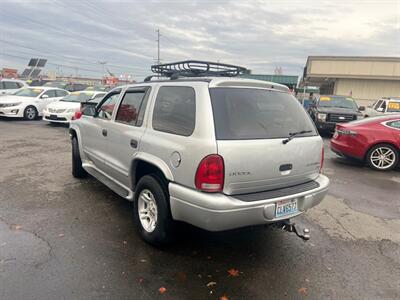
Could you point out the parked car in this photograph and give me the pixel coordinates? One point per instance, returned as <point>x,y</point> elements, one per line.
<point>69,86</point>
<point>375,140</point>
<point>62,111</point>
<point>10,86</point>
<point>103,88</point>
<point>327,111</point>
<point>218,153</point>
<point>28,103</point>
<point>390,105</point>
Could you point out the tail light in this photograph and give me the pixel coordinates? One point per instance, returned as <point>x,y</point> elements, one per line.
<point>321,165</point>
<point>210,174</point>
<point>77,115</point>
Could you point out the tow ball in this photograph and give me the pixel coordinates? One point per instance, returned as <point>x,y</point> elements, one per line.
<point>291,227</point>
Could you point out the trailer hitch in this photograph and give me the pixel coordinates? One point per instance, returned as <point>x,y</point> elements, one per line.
<point>288,226</point>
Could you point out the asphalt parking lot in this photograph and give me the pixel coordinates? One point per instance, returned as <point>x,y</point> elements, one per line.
<point>63,238</point>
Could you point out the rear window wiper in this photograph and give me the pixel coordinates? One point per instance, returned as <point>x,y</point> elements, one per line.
<point>293,134</point>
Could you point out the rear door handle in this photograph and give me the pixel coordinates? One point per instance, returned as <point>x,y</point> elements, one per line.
<point>134,144</point>
<point>104,132</point>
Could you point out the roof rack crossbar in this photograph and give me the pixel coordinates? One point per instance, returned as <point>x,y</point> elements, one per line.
<point>197,68</point>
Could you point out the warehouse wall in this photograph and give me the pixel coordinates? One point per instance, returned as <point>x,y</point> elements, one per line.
<point>367,90</point>
<point>355,68</point>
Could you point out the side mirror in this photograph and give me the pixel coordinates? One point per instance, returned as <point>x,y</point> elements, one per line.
<point>361,108</point>
<point>44,96</point>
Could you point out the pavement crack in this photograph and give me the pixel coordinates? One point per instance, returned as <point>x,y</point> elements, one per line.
<point>340,224</point>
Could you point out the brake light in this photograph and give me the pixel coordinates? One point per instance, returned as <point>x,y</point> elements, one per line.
<point>322,159</point>
<point>77,115</point>
<point>210,174</point>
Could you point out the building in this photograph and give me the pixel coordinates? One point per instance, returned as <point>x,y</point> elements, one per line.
<point>364,78</point>
<point>288,80</point>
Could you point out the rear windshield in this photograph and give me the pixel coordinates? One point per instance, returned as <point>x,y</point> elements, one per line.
<point>78,97</point>
<point>241,113</point>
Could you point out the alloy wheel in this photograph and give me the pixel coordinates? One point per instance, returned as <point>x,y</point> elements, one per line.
<point>148,212</point>
<point>383,158</point>
<point>30,113</point>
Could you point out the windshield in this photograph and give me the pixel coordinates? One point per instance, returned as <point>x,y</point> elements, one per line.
<point>77,97</point>
<point>241,113</point>
<point>60,85</point>
<point>337,101</point>
<point>393,106</point>
<point>28,92</point>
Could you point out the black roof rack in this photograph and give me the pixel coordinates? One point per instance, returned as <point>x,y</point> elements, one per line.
<point>196,68</point>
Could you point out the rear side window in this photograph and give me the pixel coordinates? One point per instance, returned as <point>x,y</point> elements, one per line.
<point>130,107</point>
<point>241,113</point>
<point>61,93</point>
<point>175,110</point>
<point>50,93</point>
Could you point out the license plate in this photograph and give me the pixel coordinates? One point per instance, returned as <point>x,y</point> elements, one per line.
<point>286,207</point>
<point>53,117</point>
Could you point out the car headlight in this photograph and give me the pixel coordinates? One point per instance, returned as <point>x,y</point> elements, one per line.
<point>11,104</point>
<point>71,110</point>
<point>321,117</point>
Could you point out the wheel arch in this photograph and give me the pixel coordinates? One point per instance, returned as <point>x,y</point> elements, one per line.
<point>143,165</point>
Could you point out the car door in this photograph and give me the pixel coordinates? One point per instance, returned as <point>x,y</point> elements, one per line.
<point>125,133</point>
<point>45,99</point>
<point>94,129</point>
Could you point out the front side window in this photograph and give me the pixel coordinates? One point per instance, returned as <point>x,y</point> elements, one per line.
<point>131,104</point>
<point>175,110</point>
<point>378,104</point>
<point>246,113</point>
<point>28,92</point>
<point>107,107</point>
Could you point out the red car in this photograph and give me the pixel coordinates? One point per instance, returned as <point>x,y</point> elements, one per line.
<point>373,140</point>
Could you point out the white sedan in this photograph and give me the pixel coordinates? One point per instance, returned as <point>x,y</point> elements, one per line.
<point>28,103</point>
<point>63,110</point>
<point>10,86</point>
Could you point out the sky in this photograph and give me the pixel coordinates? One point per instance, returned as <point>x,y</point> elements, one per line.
<point>258,34</point>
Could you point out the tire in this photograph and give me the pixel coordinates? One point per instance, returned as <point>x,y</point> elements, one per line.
<point>77,170</point>
<point>30,113</point>
<point>383,157</point>
<point>151,198</point>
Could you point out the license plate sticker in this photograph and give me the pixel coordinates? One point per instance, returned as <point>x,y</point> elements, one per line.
<point>286,207</point>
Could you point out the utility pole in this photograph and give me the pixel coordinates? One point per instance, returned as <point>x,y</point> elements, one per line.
<point>103,63</point>
<point>158,46</point>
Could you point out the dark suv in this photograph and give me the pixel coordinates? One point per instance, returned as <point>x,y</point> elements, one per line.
<point>326,111</point>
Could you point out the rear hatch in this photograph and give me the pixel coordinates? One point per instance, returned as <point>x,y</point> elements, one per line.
<point>251,125</point>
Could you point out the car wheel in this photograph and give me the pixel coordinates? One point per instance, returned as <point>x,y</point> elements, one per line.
<point>77,170</point>
<point>30,113</point>
<point>151,211</point>
<point>383,157</point>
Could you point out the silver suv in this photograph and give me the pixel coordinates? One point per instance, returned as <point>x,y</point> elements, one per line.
<point>218,153</point>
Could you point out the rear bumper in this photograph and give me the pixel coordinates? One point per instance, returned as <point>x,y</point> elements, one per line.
<point>218,212</point>
<point>341,148</point>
